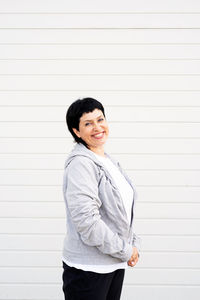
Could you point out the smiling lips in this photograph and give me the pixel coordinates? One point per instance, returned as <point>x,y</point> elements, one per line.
<point>98,135</point>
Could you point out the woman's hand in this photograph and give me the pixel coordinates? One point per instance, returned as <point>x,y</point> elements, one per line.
<point>134,258</point>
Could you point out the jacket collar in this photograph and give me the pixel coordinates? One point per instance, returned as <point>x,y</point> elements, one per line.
<point>81,150</point>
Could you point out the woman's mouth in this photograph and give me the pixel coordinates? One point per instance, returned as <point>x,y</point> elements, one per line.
<point>98,135</point>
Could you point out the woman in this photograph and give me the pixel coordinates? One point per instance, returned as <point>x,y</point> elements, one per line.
<point>99,197</point>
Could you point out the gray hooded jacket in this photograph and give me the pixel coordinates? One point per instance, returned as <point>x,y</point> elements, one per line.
<point>98,231</point>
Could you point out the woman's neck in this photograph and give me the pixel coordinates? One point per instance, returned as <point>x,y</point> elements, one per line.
<point>98,150</point>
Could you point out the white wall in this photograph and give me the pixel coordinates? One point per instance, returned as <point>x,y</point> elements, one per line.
<point>142,60</point>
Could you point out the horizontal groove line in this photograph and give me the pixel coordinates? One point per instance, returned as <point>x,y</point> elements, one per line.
<point>59,185</point>
<point>169,235</point>
<point>95,43</point>
<point>63,218</point>
<point>111,138</point>
<point>135,169</point>
<point>181,235</point>
<point>37,299</point>
<point>138,267</point>
<point>119,154</point>
<point>125,285</point>
<point>99,28</point>
<point>136,218</point>
<point>30,284</point>
<point>100,75</point>
<point>99,59</point>
<point>62,201</point>
<point>107,106</point>
<point>112,122</point>
<point>126,90</point>
<point>81,90</point>
<point>33,234</point>
<point>59,251</point>
<point>103,13</point>
<point>44,250</point>
<point>30,267</point>
<point>106,28</point>
<point>111,153</point>
<point>63,233</point>
<point>160,285</point>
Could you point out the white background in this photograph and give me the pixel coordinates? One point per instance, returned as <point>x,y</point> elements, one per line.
<point>141,59</point>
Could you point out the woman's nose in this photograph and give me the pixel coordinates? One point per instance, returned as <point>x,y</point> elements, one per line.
<point>97,126</point>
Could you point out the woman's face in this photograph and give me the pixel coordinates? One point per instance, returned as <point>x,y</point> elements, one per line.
<point>93,129</point>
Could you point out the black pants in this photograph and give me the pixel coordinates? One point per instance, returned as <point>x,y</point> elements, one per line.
<point>85,285</point>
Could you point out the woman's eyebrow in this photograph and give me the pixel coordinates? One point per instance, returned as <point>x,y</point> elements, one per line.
<point>92,119</point>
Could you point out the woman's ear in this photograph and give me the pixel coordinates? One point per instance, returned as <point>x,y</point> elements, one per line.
<point>76,132</point>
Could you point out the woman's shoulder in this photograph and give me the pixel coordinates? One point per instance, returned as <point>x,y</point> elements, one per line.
<point>82,164</point>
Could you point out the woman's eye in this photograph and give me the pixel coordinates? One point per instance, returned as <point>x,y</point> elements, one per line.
<point>101,119</point>
<point>86,124</point>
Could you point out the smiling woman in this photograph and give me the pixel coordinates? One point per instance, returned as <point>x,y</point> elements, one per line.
<point>93,129</point>
<point>100,242</point>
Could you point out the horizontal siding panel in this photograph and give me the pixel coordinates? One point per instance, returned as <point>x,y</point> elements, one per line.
<point>100,67</point>
<point>92,36</point>
<point>34,258</point>
<point>169,260</point>
<point>165,210</point>
<point>121,82</point>
<point>161,292</point>
<point>103,6</point>
<point>117,130</point>
<point>33,226</point>
<point>32,242</point>
<point>100,52</point>
<point>57,226</point>
<point>170,243</point>
<point>114,98</point>
<point>165,177</point>
<point>31,275</point>
<point>140,177</point>
<point>136,114</point>
<point>31,177</point>
<point>147,260</point>
<point>57,210</point>
<point>53,275</point>
<point>114,146</point>
<point>31,291</point>
<point>54,292</point>
<point>39,209</point>
<point>55,242</point>
<point>32,194</point>
<point>158,161</point>
<point>97,20</point>
<point>127,161</point>
<point>145,194</point>
<point>169,194</point>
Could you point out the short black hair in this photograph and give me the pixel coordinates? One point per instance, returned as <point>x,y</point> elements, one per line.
<point>75,112</point>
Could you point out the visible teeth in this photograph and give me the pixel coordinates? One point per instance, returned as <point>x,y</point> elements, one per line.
<point>99,134</point>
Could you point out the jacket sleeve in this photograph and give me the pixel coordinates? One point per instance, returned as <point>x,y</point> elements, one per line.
<point>83,203</point>
<point>136,242</point>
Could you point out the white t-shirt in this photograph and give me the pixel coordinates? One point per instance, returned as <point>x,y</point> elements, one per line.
<point>126,192</point>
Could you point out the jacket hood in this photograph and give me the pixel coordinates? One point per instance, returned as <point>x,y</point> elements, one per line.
<point>81,150</point>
